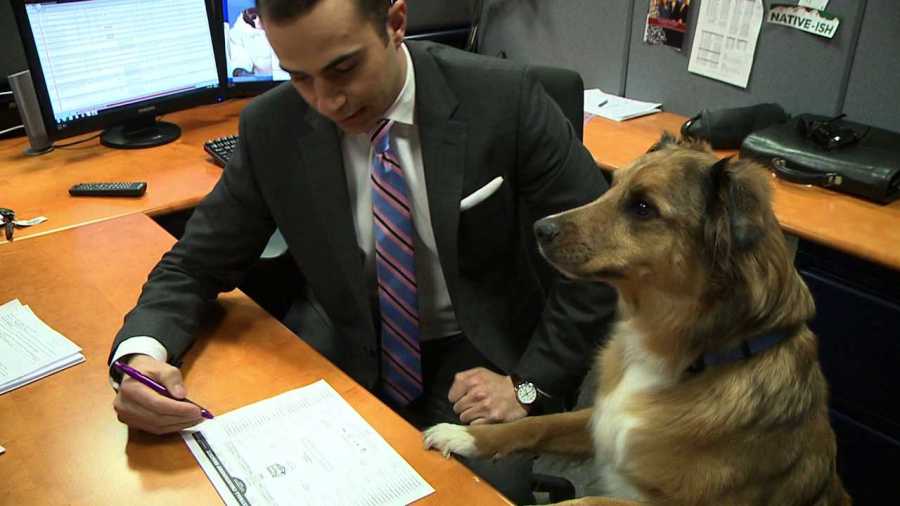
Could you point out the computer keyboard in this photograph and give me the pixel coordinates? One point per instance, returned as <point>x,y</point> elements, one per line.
<point>220,149</point>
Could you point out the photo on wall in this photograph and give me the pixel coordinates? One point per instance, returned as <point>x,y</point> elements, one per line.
<point>667,22</point>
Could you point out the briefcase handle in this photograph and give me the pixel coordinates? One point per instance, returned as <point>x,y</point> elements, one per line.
<point>823,179</point>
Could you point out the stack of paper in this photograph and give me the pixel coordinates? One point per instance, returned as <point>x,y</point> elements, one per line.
<point>305,446</point>
<point>29,349</point>
<point>615,107</point>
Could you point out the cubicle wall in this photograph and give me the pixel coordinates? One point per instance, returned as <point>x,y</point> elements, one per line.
<point>588,36</point>
<point>855,72</point>
<point>800,71</point>
<point>872,94</point>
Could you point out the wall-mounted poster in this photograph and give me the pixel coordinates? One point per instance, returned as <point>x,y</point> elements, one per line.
<point>725,40</point>
<point>667,22</point>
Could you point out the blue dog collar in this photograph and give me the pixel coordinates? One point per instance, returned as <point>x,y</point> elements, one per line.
<point>746,349</point>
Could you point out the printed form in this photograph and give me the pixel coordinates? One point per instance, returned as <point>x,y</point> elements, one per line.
<point>29,348</point>
<point>305,446</point>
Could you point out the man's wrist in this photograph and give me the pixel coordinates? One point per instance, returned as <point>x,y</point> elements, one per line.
<point>138,345</point>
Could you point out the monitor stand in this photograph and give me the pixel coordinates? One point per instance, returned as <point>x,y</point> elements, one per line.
<point>140,133</point>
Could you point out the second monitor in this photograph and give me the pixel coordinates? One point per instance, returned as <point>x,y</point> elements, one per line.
<point>250,64</point>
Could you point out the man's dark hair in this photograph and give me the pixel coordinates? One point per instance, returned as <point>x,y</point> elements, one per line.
<point>278,11</point>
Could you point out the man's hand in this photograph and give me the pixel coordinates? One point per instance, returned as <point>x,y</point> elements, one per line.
<point>482,396</point>
<point>141,408</point>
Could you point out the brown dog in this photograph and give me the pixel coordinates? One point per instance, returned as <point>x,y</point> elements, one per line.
<point>709,391</point>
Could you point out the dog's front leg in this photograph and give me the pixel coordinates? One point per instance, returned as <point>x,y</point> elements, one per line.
<point>561,433</point>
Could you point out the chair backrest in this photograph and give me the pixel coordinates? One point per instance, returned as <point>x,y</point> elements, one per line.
<point>566,88</point>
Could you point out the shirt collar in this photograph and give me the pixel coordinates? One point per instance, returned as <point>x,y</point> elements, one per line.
<point>403,108</point>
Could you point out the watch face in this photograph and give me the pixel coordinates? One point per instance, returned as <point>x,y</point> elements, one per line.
<point>526,392</point>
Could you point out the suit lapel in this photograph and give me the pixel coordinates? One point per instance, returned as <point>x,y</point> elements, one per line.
<point>443,155</point>
<point>323,177</point>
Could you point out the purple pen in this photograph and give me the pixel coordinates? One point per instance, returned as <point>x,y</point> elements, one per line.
<point>156,387</point>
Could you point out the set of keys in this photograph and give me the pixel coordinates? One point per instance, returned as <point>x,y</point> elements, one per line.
<point>9,222</point>
<point>8,217</point>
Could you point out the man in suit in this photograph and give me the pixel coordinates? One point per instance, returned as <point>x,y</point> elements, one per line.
<point>473,147</point>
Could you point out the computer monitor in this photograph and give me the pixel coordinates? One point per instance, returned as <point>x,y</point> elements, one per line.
<point>118,65</point>
<point>250,64</point>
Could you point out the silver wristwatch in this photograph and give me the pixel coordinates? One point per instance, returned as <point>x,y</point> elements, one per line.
<point>526,392</point>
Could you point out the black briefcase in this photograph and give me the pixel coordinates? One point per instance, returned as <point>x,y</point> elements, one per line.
<point>833,153</point>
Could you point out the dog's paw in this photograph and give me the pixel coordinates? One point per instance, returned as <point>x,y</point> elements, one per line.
<point>449,438</point>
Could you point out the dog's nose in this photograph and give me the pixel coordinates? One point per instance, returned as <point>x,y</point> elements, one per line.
<point>546,230</point>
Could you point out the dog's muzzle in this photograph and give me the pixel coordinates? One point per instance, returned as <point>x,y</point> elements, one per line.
<point>555,242</point>
<point>546,230</point>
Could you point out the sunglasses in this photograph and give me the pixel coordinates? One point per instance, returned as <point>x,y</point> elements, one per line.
<point>830,134</point>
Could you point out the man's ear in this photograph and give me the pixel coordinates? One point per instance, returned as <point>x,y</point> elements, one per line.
<point>735,209</point>
<point>396,22</point>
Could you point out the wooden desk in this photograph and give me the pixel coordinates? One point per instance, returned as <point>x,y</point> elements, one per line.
<point>63,442</point>
<point>178,174</point>
<point>845,223</point>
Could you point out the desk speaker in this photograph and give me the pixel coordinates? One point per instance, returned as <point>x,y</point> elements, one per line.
<point>30,112</point>
<point>9,115</point>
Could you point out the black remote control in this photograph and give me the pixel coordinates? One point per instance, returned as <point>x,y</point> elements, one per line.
<point>108,189</point>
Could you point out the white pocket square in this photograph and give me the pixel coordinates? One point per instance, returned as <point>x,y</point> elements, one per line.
<point>480,194</point>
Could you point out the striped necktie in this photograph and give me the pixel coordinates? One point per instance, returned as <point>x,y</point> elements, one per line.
<point>401,356</point>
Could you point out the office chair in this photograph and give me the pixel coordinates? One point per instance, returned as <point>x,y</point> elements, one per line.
<point>566,88</point>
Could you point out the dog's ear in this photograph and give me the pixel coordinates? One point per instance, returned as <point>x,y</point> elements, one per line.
<point>667,139</point>
<point>736,208</point>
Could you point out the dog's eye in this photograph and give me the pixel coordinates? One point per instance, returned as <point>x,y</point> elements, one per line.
<point>642,209</point>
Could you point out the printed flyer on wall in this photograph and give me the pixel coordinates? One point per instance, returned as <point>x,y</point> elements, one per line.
<point>725,40</point>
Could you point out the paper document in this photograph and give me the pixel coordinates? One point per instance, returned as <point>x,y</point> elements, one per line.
<point>29,348</point>
<point>725,41</point>
<point>306,446</point>
<point>615,107</point>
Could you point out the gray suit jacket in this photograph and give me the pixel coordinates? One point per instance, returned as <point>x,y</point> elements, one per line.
<point>478,118</point>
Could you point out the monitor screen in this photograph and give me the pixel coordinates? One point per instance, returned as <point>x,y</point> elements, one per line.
<point>248,56</point>
<point>100,62</point>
